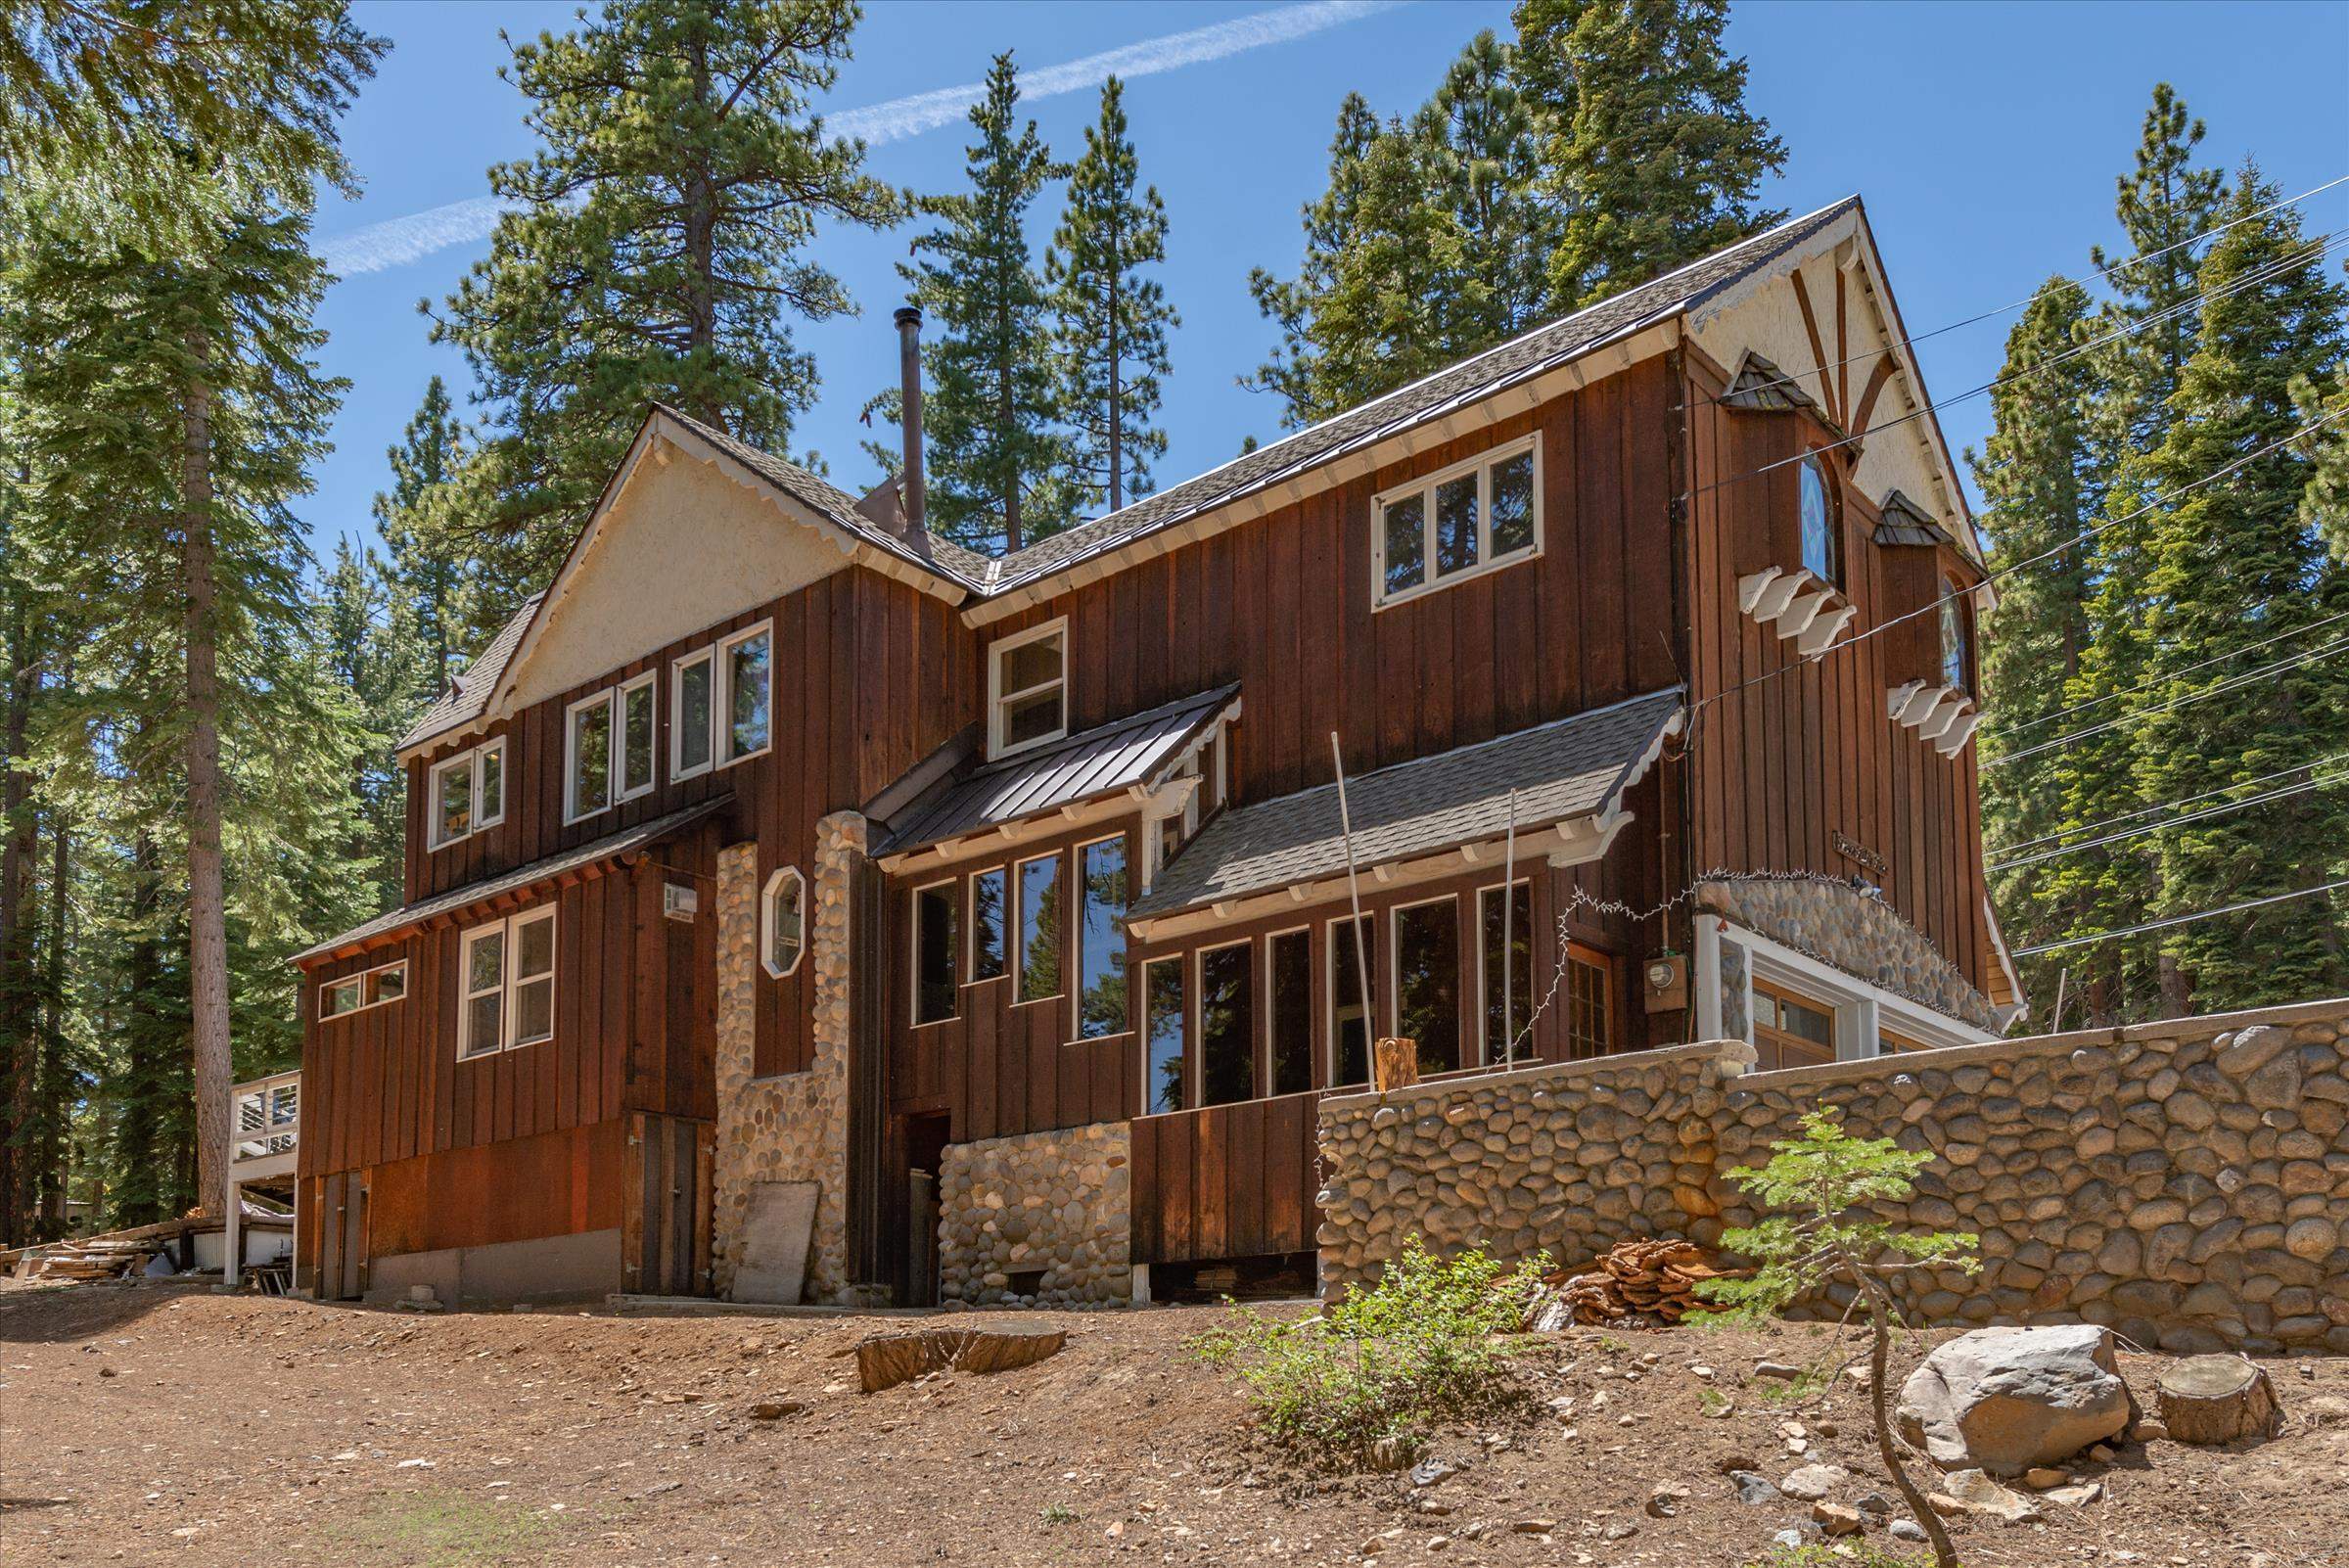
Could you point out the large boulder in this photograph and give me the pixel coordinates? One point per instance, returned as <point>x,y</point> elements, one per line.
<point>2003,1400</point>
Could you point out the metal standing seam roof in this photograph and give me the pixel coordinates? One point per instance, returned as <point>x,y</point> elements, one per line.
<point>1093,763</point>
<point>1568,767</point>
<point>607,847</point>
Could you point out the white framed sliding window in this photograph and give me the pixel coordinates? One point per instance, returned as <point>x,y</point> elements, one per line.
<point>692,713</point>
<point>745,692</point>
<point>1028,688</point>
<point>355,994</point>
<point>634,759</point>
<point>468,792</point>
<point>1457,523</point>
<point>587,757</point>
<point>509,976</point>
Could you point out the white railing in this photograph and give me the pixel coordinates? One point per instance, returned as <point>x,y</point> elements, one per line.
<point>265,1116</point>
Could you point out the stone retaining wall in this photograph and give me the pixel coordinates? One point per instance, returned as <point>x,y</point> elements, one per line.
<point>2184,1181</point>
<point>1054,1204</point>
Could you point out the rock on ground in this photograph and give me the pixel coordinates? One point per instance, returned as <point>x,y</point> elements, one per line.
<point>2004,1400</point>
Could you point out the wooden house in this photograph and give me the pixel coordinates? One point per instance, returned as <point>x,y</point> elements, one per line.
<point>801,906</point>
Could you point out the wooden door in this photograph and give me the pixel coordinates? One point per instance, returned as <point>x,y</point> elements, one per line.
<point>1790,1030</point>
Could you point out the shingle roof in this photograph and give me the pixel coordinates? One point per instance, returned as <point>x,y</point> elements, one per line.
<point>1758,383</point>
<point>1472,380</point>
<point>1093,763</point>
<point>1566,768</point>
<point>1907,523</point>
<point>554,866</point>
<point>463,698</point>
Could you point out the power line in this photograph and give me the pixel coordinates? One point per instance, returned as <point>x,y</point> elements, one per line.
<point>2167,805</point>
<point>1931,606</point>
<point>2138,260</point>
<point>2215,659</point>
<point>2180,920</point>
<point>2217,688</point>
<point>2181,820</point>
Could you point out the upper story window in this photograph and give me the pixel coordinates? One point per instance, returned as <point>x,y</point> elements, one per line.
<point>386,983</point>
<point>509,975</point>
<point>1028,688</point>
<point>608,748</point>
<point>1957,636</point>
<point>722,703</point>
<point>1457,521</point>
<point>468,792</point>
<point>1823,541</point>
<point>692,699</point>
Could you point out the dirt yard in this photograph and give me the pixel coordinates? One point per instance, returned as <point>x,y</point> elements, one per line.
<point>154,1422</point>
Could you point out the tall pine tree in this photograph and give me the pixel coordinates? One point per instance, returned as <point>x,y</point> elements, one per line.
<point>450,569</point>
<point>1110,314</point>
<point>1480,137</point>
<point>1308,371</point>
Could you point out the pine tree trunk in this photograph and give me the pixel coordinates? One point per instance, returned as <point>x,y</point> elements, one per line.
<point>1879,1371</point>
<point>701,265</point>
<point>1116,414</point>
<point>208,921</point>
<point>18,1048</point>
<point>57,1090</point>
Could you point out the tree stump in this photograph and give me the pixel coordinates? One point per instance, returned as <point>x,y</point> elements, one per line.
<point>2214,1400</point>
<point>1396,1062</point>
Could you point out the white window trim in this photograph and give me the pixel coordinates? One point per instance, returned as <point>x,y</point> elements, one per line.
<point>1395,913</point>
<point>1425,488</point>
<point>721,695</point>
<point>997,696</point>
<point>1256,1064</point>
<point>648,683</point>
<point>1331,937</point>
<point>1077,930</point>
<point>1484,977</point>
<point>1862,1011</point>
<point>570,756</point>
<point>677,715</point>
<point>913,969</point>
<point>789,874</point>
<point>361,979</point>
<point>509,981</point>
<point>1016,962</point>
<point>1313,1045</point>
<point>475,822</point>
<point>1142,1031</point>
<point>970,925</point>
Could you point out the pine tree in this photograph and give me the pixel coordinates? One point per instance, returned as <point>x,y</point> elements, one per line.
<point>448,568</point>
<point>658,246</point>
<point>1300,372</point>
<point>2233,564</point>
<point>2044,485</point>
<point>1649,152</point>
<point>377,651</point>
<point>1111,317</point>
<point>1479,135</point>
<point>997,460</point>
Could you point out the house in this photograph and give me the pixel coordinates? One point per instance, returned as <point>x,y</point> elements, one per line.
<point>801,906</point>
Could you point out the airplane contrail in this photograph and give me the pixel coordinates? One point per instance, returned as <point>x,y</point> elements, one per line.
<point>396,242</point>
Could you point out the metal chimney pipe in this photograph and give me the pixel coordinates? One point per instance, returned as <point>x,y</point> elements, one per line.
<point>909,418</point>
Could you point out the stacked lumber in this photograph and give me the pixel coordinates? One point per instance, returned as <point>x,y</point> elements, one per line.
<point>81,1260</point>
<point>1652,1281</point>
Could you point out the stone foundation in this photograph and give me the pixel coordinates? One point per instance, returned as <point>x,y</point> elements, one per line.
<point>793,1127</point>
<point>1056,1204</point>
<point>2185,1181</point>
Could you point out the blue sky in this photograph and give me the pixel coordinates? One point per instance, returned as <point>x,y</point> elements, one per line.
<point>1985,138</point>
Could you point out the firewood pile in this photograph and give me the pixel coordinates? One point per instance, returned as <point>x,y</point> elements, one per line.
<point>1639,1282</point>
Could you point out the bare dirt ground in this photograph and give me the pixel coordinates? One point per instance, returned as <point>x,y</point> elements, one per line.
<point>157,1422</point>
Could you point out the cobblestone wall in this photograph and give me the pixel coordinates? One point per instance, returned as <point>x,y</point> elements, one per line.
<point>2185,1182</point>
<point>1051,1205</point>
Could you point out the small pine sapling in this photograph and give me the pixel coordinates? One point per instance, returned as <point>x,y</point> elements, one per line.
<point>1824,1175</point>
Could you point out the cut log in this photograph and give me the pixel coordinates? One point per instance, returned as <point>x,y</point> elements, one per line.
<point>2214,1400</point>
<point>888,1359</point>
<point>1637,1280</point>
<point>1398,1063</point>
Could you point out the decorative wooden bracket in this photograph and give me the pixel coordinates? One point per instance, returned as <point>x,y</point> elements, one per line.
<point>1797,603</point>
<point>1945,716</point>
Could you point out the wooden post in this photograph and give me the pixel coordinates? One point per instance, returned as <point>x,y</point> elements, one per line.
<point>1396,1063</point>
<point>232,1259</point>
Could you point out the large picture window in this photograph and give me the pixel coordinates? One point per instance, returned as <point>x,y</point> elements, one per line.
<point>1289,1008</point>
<point>1039,957</point>
<point>1163,1029</point>
<point>1823,542</point>
<point>746,702</point>
<point>468,793</point>
<point>509,973</point>
<point>1101,940</point>
<point>934,990</point>
<point>1470,518</point>
<point>1506,957</point>
<point>1028,688</point>
<point>1349,1027</point>
<point>1227,1025</point>
<point>1427,981</point>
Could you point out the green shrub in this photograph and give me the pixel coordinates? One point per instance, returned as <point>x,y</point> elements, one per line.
<point>1395,1361</point>
<point>1846,1555</point>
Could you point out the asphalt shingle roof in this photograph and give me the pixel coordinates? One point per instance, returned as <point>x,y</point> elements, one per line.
<point>464,697</point>
<point>1092,763</point>
<point>1566,768</point>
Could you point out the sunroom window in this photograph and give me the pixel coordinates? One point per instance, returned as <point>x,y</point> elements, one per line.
<point>1463,520</point>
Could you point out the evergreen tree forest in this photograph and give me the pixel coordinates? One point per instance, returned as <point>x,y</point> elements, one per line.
<point>2167,712</point>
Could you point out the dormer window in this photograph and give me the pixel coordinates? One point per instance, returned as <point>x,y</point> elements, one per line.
<point>1457,521</point>
<point>468,792</point>
<point>1027,689</point>
<point>1823,545</point>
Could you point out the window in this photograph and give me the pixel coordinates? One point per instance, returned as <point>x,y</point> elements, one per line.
<point>509,971</point>
<point>1289,1006</point>
<point>1589,1001</point>
<point>1790,1030</point>
<point>587,758</point>
<point>690,711</point>
<point>1463,520</point>
<point>1349,1027</point>
<point>636,736</point>
<point>1227,1025</point>
<point>1101,940</point>
<point>934,990</point>
<point>783,922</point>
<point>1427,981</point>
<point>369,989</point>
<point>1957,636</point>
<point>1822,545</point>
<point>468,793</point>
<point>1040,929</point>
<point>1511,923</point>
<point>1027,689</point>
<point>746,672</point>
<point>987,917</point>
<point>1162,1037</point>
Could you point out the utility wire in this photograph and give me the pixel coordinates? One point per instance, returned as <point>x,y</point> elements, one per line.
<point>2140,831</point>
<point>2215,659</point>
<point>2138,260</point>
<point>2217,688</point>
<point>2180,920</point>
<point>2166,805</point>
